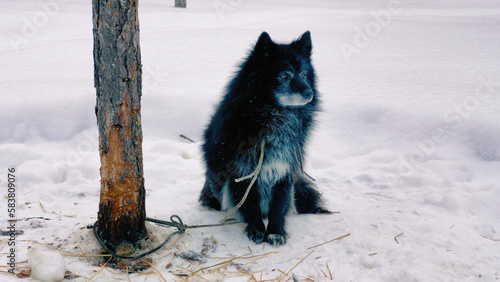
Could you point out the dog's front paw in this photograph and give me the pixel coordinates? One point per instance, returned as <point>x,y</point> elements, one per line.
<point>276,239</point>
<point>256,235</point>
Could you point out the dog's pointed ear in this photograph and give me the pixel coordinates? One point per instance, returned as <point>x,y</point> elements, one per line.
<point>303,45</point>
<point>263,45</point>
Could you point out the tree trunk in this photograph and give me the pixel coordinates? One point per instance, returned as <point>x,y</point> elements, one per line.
<point>117,79</point>
<point>180,3</point>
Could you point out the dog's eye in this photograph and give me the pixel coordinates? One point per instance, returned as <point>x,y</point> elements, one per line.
<point>284,76</point>
<point>303,74</point>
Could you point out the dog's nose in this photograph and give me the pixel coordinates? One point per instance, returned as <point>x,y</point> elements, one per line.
<point>307,94</point>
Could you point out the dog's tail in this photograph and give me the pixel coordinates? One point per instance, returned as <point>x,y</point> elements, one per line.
<point>307,198</point>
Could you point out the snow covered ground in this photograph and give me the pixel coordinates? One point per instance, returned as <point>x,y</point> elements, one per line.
<point>407,148</point>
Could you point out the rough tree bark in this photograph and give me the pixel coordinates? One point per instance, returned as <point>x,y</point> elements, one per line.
<point>117,78</point>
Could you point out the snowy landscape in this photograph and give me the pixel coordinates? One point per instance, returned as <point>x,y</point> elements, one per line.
<point>406,150</point>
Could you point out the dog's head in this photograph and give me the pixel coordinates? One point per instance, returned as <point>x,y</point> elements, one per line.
<point>287,68</point>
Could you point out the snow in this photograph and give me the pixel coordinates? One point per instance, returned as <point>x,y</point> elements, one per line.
<point>46,265</point>
<point>406,150</point>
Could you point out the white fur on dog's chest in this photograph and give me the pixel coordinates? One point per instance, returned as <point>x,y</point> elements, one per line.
<point>272,171</point>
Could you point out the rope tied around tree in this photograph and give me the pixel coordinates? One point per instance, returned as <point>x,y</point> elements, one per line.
<point>176,221</point>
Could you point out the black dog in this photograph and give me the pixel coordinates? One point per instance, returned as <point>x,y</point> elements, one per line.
<point>272,99</point>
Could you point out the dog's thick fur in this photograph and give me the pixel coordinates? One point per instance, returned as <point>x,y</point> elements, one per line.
<point>271,98</point>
